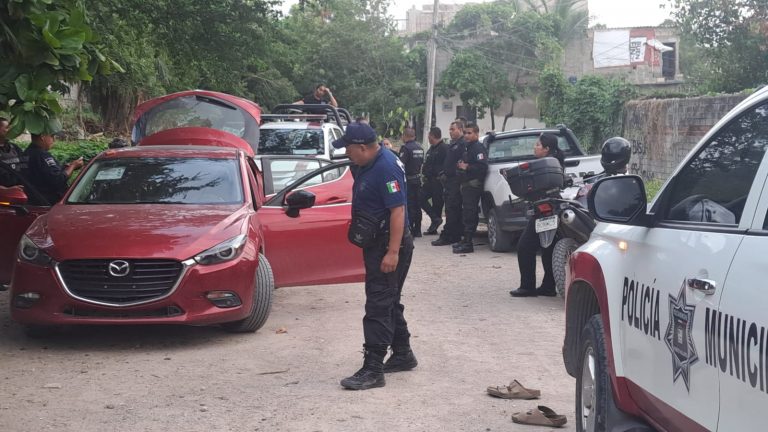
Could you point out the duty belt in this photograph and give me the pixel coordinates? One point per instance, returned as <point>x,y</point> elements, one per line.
<point>413,177</point>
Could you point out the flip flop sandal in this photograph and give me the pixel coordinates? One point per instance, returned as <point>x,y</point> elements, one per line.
<point>541,416</point>
<point>514,390</point>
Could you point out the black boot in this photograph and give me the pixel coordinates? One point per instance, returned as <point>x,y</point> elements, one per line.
<point>371,375</point>
<point>465,245</point>
<point>442,241</point>
<point>402,359</point>
<point>432,230</point>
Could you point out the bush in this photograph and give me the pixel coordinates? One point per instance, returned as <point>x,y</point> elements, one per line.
<point>66,151</point>
<point>652,188</point>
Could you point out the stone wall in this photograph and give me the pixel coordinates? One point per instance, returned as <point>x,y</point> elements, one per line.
<point>663,131</point>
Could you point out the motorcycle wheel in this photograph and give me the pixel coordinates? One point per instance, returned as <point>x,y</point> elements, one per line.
<point>560,254</point>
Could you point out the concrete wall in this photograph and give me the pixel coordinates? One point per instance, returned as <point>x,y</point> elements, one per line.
<point>663,131</point>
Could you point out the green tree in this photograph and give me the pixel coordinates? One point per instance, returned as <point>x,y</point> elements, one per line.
<point>232,46</point>
<point>730,37</point>
<point>510,45</point>
<point>45,45</point>
<point>352,46</point>
<point>592,108</point>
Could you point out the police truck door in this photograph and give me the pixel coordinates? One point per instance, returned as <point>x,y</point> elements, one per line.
<point>678,270</point>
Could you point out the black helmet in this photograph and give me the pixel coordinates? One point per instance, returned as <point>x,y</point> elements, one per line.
<point>615,155</point>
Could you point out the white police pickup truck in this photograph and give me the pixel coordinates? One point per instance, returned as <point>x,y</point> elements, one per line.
<point>666,304</point>
<point>505,213</point>
<point>303,130</point>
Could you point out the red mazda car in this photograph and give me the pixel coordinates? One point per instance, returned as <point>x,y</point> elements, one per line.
<point>176,230</point>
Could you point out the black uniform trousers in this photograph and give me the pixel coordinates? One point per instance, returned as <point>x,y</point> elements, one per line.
<point>527,247</point>
<point>432,198</point>
<point>471,191</point>
<point>414,209</point>
<point>454,227</point>
<point>384,324</point>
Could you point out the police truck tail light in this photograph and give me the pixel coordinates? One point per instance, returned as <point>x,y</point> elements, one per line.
<point>524,166</point>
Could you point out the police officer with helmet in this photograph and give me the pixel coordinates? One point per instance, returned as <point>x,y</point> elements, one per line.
<point>379,226</point>
<point>412,156</point>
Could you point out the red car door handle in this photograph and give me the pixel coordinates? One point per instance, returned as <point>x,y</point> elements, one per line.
<point>704,285</point>
<point>335,200</point>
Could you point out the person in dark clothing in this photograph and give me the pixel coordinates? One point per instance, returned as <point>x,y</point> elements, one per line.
<point>412,156</point>
<point>318,97</point>
<point>379,226</point>
<point>11,155</point>
<point>454,227</point>
<point>387,144</point>
<point>44,172</point>
<point>529,243</point>
<point>472,169</point>
<point>432,188</point>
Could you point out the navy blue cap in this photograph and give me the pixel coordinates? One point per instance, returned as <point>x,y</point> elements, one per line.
<point>356,133</point>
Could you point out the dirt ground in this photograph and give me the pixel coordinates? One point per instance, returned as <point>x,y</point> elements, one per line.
<point>468,333</point>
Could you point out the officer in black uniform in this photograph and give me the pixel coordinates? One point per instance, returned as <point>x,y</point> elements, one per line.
<point>454,227</point>
<point>472,169</point>
<point>44,172</point>
<point>11,155</point>
<point>318,96</point>
<point>432,188</point>
<point>379,227</point>
<point>412,156</point>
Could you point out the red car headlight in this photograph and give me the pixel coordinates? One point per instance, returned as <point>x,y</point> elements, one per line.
<point>222,252</point>
<point>31,253</point>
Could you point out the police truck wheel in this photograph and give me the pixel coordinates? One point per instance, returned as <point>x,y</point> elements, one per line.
<point>592,382</point>
<point>264,287</point>
<point>560,254</point>
<point>500,241</point>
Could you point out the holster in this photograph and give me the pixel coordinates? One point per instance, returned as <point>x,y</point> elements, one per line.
<point>364,229</point>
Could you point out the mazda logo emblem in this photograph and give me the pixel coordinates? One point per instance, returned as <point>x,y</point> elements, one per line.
<point>119,268</point>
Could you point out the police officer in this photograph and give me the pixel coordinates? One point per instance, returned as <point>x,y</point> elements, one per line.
<point>11,155</point>
<point>44,172</point>
<point>472,169</point>
<point>379,226</point>
<point>432,189</point>
<point>454,227</point>
<point>412,156</point>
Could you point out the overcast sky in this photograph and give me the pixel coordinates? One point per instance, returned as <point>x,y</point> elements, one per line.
<point>613,13</point>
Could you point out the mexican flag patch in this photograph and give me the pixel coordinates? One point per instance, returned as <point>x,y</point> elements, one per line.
<point>393,186</point>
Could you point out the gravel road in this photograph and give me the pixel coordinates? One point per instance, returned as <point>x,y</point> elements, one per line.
<point>468,333</point>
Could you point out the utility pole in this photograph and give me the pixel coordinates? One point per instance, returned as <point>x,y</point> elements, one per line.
<point>431,61</point>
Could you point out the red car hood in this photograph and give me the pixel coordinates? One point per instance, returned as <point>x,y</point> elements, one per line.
<point>135,230</point>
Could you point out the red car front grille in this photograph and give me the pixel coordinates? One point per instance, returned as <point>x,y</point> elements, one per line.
<point>143,281</point>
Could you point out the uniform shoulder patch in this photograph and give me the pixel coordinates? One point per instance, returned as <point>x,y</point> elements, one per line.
<point>50,161</point>
<point>480,156</point>
<point>393,186</point>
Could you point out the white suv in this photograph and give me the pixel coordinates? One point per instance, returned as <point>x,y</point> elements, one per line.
<point>665,306</point>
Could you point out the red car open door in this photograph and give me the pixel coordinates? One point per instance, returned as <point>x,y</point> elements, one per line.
<point>312,248</point>
<point>18,209</point>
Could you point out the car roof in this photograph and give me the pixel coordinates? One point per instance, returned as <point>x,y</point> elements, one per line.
<point>177,151</point>
<point>525,132</point>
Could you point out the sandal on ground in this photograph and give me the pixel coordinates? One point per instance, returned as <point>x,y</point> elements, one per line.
<point>514,390</point>
<point>541,416</point>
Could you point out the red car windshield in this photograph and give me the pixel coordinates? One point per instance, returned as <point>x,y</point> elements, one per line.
<point>160,181</point>
<point>291,142</point>
<point>198,111</point>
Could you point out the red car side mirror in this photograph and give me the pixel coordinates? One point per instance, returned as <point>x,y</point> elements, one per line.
<point>12,196</point>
